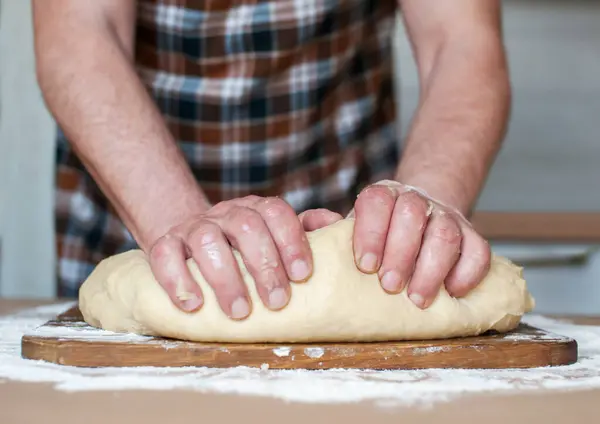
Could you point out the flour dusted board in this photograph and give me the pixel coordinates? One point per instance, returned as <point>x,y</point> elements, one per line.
<point>68,340</point>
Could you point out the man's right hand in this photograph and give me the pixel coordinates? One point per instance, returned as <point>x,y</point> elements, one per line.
<point>270,238</point>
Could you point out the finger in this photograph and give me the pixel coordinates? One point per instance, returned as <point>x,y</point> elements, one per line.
<point>373,210</point>
<point>216,262</point>
<point>439,252</point>
<point>288,235</point>
<point>313,219</point>
<point>410,217</point>
<point>472,266</point>
<point>248,232</point>
<point>168,264</point>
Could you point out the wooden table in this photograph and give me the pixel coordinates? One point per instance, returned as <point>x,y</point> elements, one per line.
<point>35,403</point>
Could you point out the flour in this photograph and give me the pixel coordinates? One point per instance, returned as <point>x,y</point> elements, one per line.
<point>314,352</point>
<point>282,351</point>
<point>87,332</point>
<point>387,388</point>
<point>430,349</point>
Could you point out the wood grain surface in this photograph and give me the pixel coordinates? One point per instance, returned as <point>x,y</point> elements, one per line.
<point>58,341</point>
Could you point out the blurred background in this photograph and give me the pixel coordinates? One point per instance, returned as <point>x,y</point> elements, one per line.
<point>540,207</point>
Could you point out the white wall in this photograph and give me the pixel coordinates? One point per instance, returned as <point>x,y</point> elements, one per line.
<point>549,160</point>
<point>26,156</point>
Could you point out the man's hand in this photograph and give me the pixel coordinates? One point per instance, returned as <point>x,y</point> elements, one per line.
<point>411,240</point>
<point>403,234</point>
<point>267,233</point>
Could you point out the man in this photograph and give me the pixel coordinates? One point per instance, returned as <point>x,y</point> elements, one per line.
<point>202,126</point>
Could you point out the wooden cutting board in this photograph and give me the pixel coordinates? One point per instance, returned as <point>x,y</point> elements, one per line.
<point>68,340</point>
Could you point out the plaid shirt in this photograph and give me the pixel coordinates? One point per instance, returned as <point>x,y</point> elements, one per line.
<point>290,98</point>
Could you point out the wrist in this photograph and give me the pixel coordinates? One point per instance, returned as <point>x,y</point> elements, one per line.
<point>183,207</point>
<point>449,191</point>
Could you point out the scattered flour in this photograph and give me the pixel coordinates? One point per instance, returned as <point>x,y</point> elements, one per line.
<point>431,349</point>
<point>282,351</point>
<point>387,388</point>
<point>87,331</point>
<point>314,352</point>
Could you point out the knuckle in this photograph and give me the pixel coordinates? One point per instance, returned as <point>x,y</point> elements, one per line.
<point>221,204</point>
<point>264,267</point>
<point>206,234</point>
<point>403,259</point>
<point>268,268</point>
<point>373,232</point>
<point>252,198</point>
<point>476,249</point>
<point>265,275</point>
<point>381,195</point>
<point>475,264</point>
<point>413,205</point>
<point>268,280</point>
<point>164,247</point>
<point>372,237</point>
<point>267,258</point>
<point>245,220</point>
<point>446,230</point>
<point>219,208</point>
<point>274,207</point>
<point>293,251</point>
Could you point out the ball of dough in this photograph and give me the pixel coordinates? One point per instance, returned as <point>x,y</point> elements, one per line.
<point>338,303</point>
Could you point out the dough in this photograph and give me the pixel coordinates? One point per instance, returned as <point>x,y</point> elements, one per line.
<point>338,303</point>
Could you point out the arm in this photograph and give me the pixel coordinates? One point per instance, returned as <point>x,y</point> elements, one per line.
<point>419,239</point>
<point>84,55</point>
<point>465,98</point>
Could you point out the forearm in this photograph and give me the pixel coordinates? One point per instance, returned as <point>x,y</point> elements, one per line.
<point>94,93</point>
<point>460,122</point>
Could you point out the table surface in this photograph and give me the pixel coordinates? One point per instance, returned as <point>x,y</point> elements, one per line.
<point>39,402</point>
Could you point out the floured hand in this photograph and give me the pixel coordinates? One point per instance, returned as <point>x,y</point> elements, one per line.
<point>270,238</point>
<point>416,242</point>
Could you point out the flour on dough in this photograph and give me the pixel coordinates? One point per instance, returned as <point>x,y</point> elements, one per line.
<point>338,303</point>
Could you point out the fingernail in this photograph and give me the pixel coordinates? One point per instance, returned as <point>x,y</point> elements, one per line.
<point>391,281</point>
<point>240,308</point>
<point>368,262</point>
<point>191,304</point>
<point>299,270</point>
<point>278,298</point>
<point>417,299</point>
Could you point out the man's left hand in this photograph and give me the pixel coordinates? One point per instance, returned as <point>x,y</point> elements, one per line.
<point>413,241</point>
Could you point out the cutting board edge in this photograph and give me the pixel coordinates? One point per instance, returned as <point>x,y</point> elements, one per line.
<point>480,353</point>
